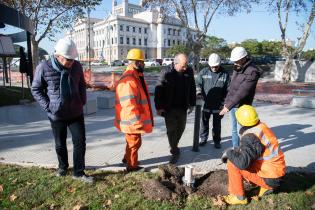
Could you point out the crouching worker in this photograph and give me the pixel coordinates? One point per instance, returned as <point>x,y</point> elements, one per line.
<point>258,160</point>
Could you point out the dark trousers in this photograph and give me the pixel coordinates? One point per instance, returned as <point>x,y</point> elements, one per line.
<point>77,129</point>
<point>175,121</point>
<point>216,130</point>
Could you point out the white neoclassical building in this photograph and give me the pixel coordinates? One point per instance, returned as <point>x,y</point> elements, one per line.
<point>128,26</point>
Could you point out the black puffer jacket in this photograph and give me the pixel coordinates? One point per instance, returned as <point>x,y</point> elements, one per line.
<point>243,86</point>
<point>213,87</point>
<point>165,89</point>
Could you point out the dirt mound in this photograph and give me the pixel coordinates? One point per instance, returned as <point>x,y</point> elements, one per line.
<point>212,184</point>
<point>169,185</point>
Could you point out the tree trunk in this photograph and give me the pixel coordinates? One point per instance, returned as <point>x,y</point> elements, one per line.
<point>287,68</point>
<point>34,51</point>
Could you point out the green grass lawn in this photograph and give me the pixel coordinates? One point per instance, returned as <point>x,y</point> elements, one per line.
<point>12,95</point>
<point>38,188</point>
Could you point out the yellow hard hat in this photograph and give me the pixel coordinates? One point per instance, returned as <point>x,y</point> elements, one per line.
<point>246,115</point>
<point>135,54</point>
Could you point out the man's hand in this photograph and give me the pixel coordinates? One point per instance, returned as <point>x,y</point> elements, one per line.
<point>224,157</point>
<point>190,109</point>
<point>160,112</point>
<point>224,111</point>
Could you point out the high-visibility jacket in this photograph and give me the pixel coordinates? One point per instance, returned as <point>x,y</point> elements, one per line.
<point>271,163</point>
<point>133,108</point>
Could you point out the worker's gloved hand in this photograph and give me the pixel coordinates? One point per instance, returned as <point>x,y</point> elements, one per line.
<point>224,157</point>
<point>190,109</point>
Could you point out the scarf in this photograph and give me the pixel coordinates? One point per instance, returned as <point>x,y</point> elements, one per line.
<point>65,79</point>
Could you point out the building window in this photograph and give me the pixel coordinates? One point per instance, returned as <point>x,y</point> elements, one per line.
<point>133,29</point>
<point>127,40</point>
<point>174,32</point>
<point>139,30</point>
<point>169,42</point>
<point>139,41</point>
<point>115,40</point>
<point>121,40</point>
<point>164,43</point>
<point>127,28</point>
<point>134,41</point>
<point>178,32</point>
<point>169,31</point>
<point>164,31</point>
<point>112,40</point>
<point>121,27</point>
<point>145,30</point>
<point>145,41</point>
<point>173,42</point>
<point>178,42</point>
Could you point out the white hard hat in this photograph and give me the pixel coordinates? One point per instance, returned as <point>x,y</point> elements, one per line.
<point>66,48</point>
<point>238,53</point>
<point>214,60</point>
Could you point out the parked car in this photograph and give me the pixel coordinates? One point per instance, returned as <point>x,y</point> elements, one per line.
<point>159,60</point>
<point>96,63</point>
<point>151,62</point>
<point>117,63</point>
<point>167,61</point>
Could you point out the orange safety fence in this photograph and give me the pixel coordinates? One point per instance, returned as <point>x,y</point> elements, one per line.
<point>100,81</point>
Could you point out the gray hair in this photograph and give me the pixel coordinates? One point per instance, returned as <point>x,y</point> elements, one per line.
<point>178,58</point>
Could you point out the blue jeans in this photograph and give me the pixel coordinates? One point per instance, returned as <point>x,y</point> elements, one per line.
<point>235,128</point>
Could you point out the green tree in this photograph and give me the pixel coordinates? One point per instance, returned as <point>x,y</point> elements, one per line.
<point>252,46</point>
<point>271,48</point>
<point>214,44</point>
<point>175,49</point>
<point>50,17</point>
<point>309,55</point>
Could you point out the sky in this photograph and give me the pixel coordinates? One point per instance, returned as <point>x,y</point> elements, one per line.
<point>260,24</point>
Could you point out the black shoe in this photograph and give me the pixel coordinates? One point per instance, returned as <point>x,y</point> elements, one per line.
<point>61,172</point>
<point>174,159</point>
<point>138,169</point>
<point>84,178</point>
<point>202,143</point>
<point>217,145</point>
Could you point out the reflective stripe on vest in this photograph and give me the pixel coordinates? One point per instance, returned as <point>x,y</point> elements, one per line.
<point>132,121</point>
<point>259,132</point>
<point>124,98</point>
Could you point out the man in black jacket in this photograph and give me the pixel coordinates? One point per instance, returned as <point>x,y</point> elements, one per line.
<point>242,87</point>
<point>212,83</point>
<point>174,94</point>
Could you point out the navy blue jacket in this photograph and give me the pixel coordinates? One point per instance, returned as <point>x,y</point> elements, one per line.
<point>46,91</point>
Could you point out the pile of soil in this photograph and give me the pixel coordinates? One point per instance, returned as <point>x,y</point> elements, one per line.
<point>213,185</point>
<point>169,185</point>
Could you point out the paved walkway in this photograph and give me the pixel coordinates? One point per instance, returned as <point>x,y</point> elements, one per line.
<point>26,139</point>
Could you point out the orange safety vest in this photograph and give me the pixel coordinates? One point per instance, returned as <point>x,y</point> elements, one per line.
<point>132,108</point>
<point>271,164</point>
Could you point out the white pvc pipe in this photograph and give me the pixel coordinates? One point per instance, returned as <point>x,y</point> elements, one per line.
<point>188,173</point>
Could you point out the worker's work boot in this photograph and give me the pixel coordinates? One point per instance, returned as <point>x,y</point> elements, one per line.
<point>233,200</point>
<point>264,191</point>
